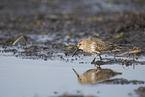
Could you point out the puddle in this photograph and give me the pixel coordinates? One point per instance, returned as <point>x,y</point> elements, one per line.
<point>39,78</point>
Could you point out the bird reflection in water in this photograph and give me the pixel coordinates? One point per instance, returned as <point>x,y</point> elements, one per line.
<point>92,76</point>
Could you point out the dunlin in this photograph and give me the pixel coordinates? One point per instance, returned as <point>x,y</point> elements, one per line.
<point>94,46</point>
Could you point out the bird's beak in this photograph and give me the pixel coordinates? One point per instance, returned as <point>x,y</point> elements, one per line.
<point>75,52</point>
<point>75,72</point>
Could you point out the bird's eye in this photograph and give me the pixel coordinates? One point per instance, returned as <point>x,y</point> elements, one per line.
<point>80,44</point>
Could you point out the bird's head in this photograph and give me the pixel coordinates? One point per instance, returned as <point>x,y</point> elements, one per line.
<point>81,44</point>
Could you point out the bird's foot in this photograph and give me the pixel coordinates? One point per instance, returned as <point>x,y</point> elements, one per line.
<point>100,57</point>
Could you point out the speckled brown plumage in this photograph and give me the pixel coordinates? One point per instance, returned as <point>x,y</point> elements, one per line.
<point>95,46</point>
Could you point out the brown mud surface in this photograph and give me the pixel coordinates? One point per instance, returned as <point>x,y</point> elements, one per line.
<point>65,22</point>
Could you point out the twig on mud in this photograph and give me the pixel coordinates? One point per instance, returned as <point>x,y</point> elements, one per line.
<point>130,52</point>
<point>19,39</point>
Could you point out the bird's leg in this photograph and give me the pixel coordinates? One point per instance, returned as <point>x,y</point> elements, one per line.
<point>94,60</point>
<point>100,57</point>
<point>96,56</point>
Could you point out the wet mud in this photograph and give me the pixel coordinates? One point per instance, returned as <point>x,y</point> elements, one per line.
<point>68,24</point>
<point>52,28</point>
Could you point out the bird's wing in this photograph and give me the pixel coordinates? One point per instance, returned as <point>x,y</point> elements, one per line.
<point>103,45</point>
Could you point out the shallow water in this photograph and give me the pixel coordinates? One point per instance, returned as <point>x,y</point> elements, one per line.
<point>39,78</point>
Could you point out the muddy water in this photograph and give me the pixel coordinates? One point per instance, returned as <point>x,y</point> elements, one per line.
<point>39,78</point>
